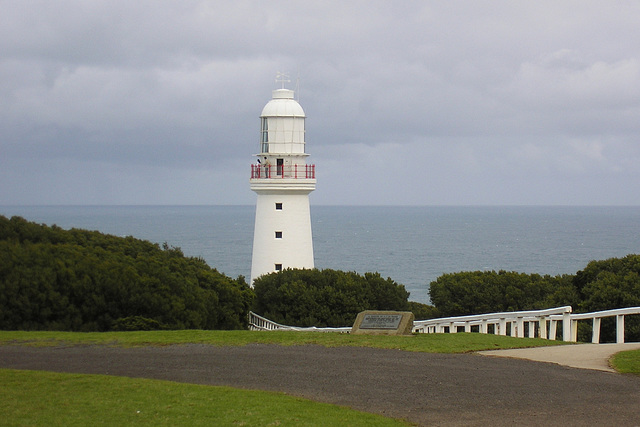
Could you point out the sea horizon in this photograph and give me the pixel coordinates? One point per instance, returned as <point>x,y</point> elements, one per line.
<point>411,244</point>
<point>316,204</point>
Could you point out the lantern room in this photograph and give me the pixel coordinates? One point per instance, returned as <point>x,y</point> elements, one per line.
<point>282,125</point>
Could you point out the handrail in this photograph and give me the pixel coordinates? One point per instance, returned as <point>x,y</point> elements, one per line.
<point>606,313</point>
<point>500,315</point>
<point>259,323</point>
<point>294,171</point>
<point>500,321</point>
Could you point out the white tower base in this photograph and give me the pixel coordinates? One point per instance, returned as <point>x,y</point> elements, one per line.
<point>282,235</point>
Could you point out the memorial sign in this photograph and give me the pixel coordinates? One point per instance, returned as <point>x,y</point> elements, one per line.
<point>383,323</point>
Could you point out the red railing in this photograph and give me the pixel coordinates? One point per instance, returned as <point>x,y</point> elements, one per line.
<point>290,171</point>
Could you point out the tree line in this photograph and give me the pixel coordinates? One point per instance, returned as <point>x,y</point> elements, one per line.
<point>79,280</point>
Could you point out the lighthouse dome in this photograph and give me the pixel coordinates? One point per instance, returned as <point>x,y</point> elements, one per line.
<point>282,105</point>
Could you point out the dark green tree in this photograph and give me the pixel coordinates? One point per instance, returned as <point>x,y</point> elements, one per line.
<point>82,280</point>
<point>304,297</point>
<point>423,311</point>
<point>477,292</point>
<point>610,284</point>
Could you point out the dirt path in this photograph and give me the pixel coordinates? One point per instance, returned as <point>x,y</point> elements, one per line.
<point>428,389</point>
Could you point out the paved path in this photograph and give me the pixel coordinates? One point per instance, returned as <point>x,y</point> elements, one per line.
<point>584,356</point>
<point>426,389</point>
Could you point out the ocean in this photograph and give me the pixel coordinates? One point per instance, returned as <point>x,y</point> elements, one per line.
<point>413,245</point>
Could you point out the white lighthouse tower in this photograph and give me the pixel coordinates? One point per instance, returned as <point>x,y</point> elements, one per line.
<point>282,181</point>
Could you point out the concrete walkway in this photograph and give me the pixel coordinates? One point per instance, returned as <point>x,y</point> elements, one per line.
<point>584,356</point>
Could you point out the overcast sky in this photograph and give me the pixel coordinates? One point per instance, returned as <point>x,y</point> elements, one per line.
<point>407,102</point>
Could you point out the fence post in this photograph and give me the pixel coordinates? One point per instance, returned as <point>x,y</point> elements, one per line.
<point>543,327</point>
<point>620,328</point>
<point>520,327</point>
<point>553,330</point>
<point>532,329</point>
<point>566,326</point>
<point>595,334</point>
<point>503,326</point>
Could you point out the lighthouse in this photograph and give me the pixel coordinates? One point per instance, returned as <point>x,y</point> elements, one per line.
<point>282,180</point>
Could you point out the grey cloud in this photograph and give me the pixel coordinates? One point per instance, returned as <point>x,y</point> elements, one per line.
<point>409,102</point>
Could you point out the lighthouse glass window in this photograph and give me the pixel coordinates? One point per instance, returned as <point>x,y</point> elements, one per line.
<point>265,136</point>
<point>278,206</point>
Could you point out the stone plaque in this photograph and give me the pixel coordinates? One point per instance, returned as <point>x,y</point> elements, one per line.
<point>383,323</point>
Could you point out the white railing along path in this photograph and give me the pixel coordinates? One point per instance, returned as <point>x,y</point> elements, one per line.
<point>259,323</point>
<point>536,323</point>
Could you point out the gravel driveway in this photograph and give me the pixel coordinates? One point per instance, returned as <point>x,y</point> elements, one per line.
<point>427,389</point>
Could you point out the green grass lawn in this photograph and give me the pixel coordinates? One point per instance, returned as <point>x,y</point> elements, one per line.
<point>432,343</point>
<point>30,398</point>
<point>627,362</point>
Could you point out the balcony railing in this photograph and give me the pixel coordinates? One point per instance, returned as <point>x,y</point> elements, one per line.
<point>288,171</point>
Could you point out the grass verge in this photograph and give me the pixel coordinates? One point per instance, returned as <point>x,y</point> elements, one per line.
<point>627,362</point>
<point>54,399</point>
<point>431,343</point>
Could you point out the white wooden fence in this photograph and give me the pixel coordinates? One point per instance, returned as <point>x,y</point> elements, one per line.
<point>533,323</point>
<point>597,316</point>
<point>259,323</point>
<point>538,323</point>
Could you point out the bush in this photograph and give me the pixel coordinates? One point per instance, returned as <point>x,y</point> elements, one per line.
<point>423,311</point>
<point>477,292</point>
<point>302,297</point>
<point>136,323</point>
<point>82,280</point>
